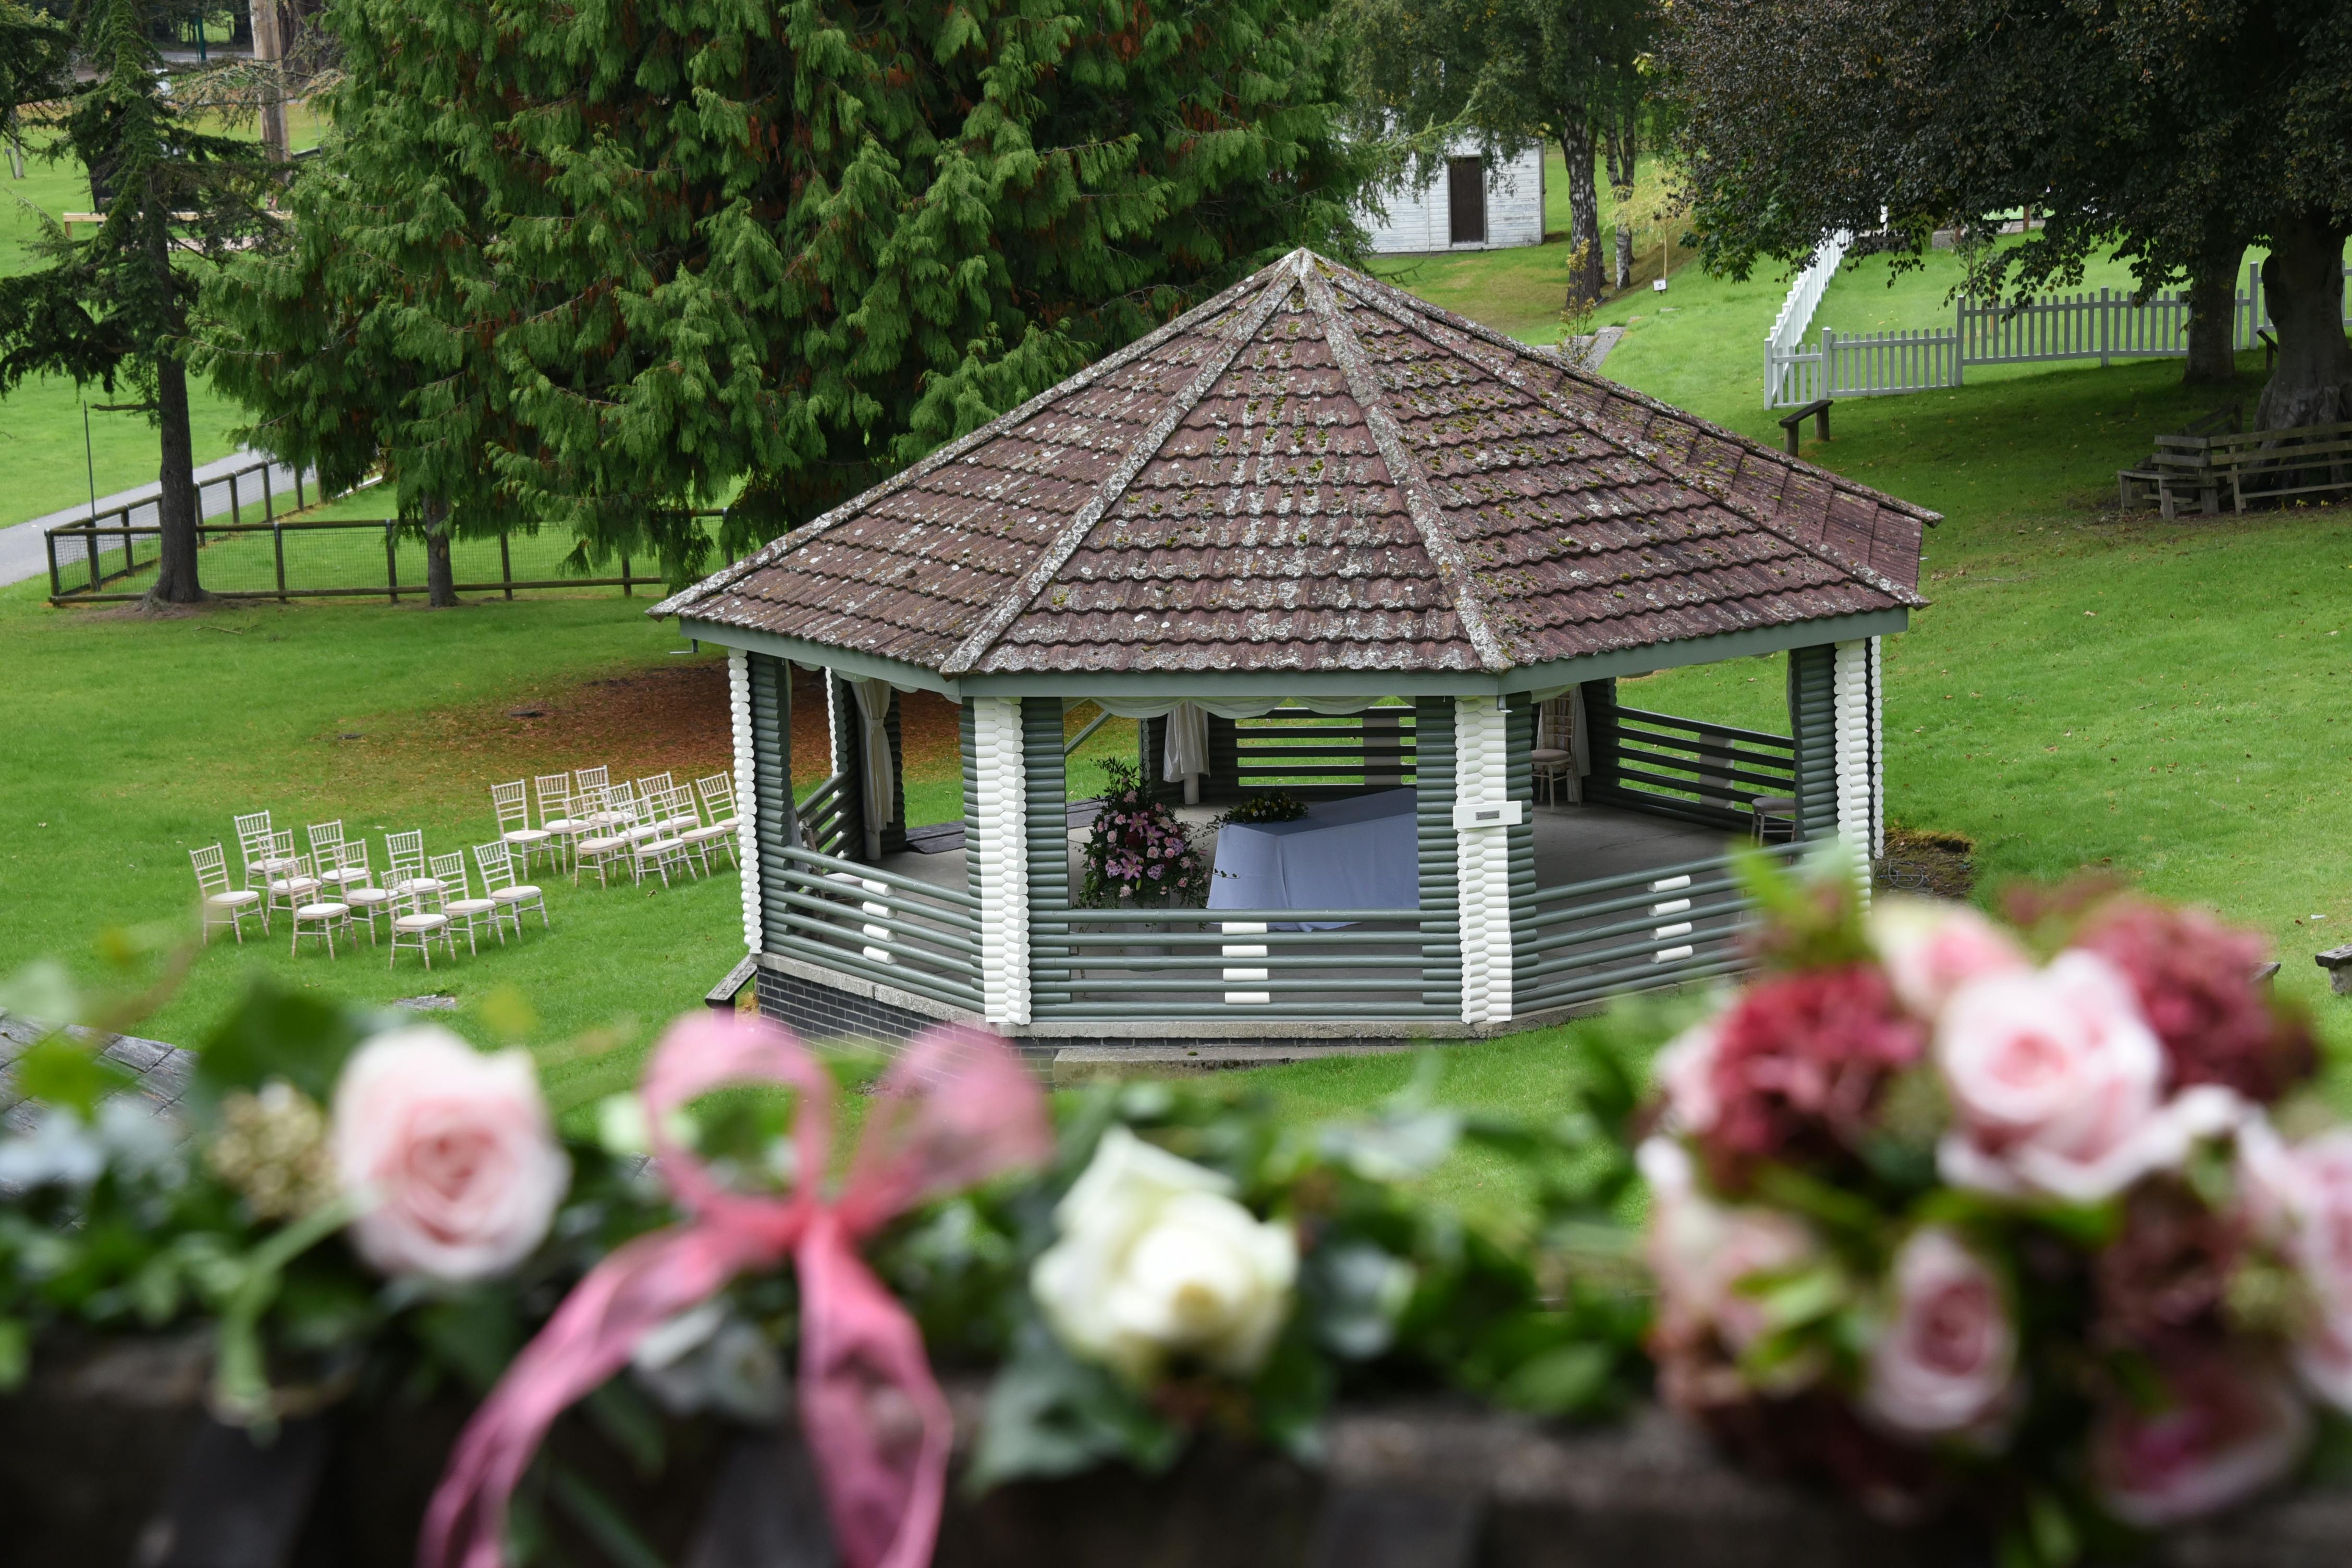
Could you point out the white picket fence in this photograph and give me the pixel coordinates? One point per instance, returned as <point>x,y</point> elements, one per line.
<point>2102,324</point>
<point>1788,332</point>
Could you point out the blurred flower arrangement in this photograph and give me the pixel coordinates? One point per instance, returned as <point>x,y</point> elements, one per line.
<point>1270,805</point>
<point>2031,1219</point>
<point>2035,1221</point>
<point>1136,851</point>
<point>353,1207</point>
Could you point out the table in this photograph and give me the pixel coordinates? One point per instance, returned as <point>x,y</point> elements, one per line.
<point>1360,853</point>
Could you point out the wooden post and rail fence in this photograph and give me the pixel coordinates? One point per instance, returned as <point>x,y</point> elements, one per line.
<point>286,557</point>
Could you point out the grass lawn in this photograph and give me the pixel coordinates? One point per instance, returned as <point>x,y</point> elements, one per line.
<point>135,740</point>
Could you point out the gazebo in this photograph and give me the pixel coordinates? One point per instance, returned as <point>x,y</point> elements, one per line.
<point>1325,533</point>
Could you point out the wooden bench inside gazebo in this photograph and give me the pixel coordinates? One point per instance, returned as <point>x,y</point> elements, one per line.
<point>1397,564</point>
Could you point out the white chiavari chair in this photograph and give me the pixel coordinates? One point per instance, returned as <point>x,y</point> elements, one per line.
<point>223,905</point>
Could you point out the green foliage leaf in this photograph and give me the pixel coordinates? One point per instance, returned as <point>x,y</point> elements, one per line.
<point>1562,1382</point>
<point>276,1033</point>
<point>1050,1414</point>
<point>15,1353</point>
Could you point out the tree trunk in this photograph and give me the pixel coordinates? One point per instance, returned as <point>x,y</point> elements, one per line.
<point>1578,145</point>
<point>440,579</point>
<point>2212,302</point>
<point>2302,285</point>
<point>175,508</point>
<point>269,50</point>
<point>1623,161</point>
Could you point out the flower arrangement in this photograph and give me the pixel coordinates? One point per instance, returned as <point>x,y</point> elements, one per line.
<point>1274,806</point>
<point>353,1205</point>
<point>1954,1214</point>
<point>1135,850</point>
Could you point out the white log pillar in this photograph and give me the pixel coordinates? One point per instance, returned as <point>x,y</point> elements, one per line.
<point>746,793</point>
<point>997,839</point>
<point>747,796</point>
<point>1483,856</point>
<point>1855,702</point>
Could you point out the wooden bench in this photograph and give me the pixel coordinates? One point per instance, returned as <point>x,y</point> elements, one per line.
<point>2136,488</point>
<point>2252,465</point>
<point>1818,410</point>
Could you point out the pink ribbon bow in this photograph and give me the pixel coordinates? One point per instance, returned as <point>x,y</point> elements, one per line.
<point>956,1107</point>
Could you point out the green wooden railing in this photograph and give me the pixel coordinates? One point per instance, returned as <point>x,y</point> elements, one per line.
<point>1687,767</point>
<point>826,816</point>
<point>877,924</point>
<point>1229,963</point>
<point>1666,925</point>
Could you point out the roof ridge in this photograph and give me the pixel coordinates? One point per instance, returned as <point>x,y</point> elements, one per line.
<point>1643,447</point>
<point>1130,463</point>
<point>948,451</point>
<point>1421,505</point>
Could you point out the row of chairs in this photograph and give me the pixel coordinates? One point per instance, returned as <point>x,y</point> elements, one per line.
<point>650,828</point>
<point>325,891</point>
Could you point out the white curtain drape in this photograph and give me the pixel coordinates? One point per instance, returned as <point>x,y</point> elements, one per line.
<point>1185,757</point>
<point>1560,727</point>
<point>881,779</point>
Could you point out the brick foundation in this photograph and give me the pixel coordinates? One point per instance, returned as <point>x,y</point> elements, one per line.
<point>821,1012</point>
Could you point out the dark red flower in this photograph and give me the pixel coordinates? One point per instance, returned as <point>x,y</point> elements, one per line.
<point>2162,1281</point>
<point>1800,1063</point>
<point>2195,977</point>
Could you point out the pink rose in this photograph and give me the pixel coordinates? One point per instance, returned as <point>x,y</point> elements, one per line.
<point>2055,1082</point>
<point>1946,1359</point>
<point>1701,1251</point>
<point>452,1151</point>
<point>2301,1196</point>
<point>1931,949</point>
<point>2226,1429</point>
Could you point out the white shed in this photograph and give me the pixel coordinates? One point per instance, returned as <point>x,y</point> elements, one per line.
<point>1473,205</point>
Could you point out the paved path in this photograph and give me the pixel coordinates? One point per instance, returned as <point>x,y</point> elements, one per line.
<point>159,1073</point>
<point>23,555</point>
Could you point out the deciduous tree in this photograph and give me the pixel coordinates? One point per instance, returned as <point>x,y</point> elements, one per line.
<point>2179,134</point>
<point>1514,72</point>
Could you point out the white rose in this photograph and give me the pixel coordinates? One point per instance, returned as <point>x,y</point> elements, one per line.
<point>1945,1358</point>
<point>451,1149</point>
<point>1156,1258</point>
<point>2054,1078</point>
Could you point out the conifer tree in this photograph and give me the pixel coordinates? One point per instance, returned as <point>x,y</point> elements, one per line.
<point>684,247</point>
<point>114,308</point>
<point>32,55</point>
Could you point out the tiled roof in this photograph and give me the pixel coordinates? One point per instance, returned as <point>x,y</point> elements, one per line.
<point>1314,471</point>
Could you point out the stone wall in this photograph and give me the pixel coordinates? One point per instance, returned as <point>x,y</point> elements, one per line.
<point>107,1459</point>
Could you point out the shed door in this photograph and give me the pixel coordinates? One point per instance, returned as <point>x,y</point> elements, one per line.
<point>1466,194</point>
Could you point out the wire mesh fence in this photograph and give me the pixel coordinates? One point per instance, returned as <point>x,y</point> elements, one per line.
<point>99,561</point>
